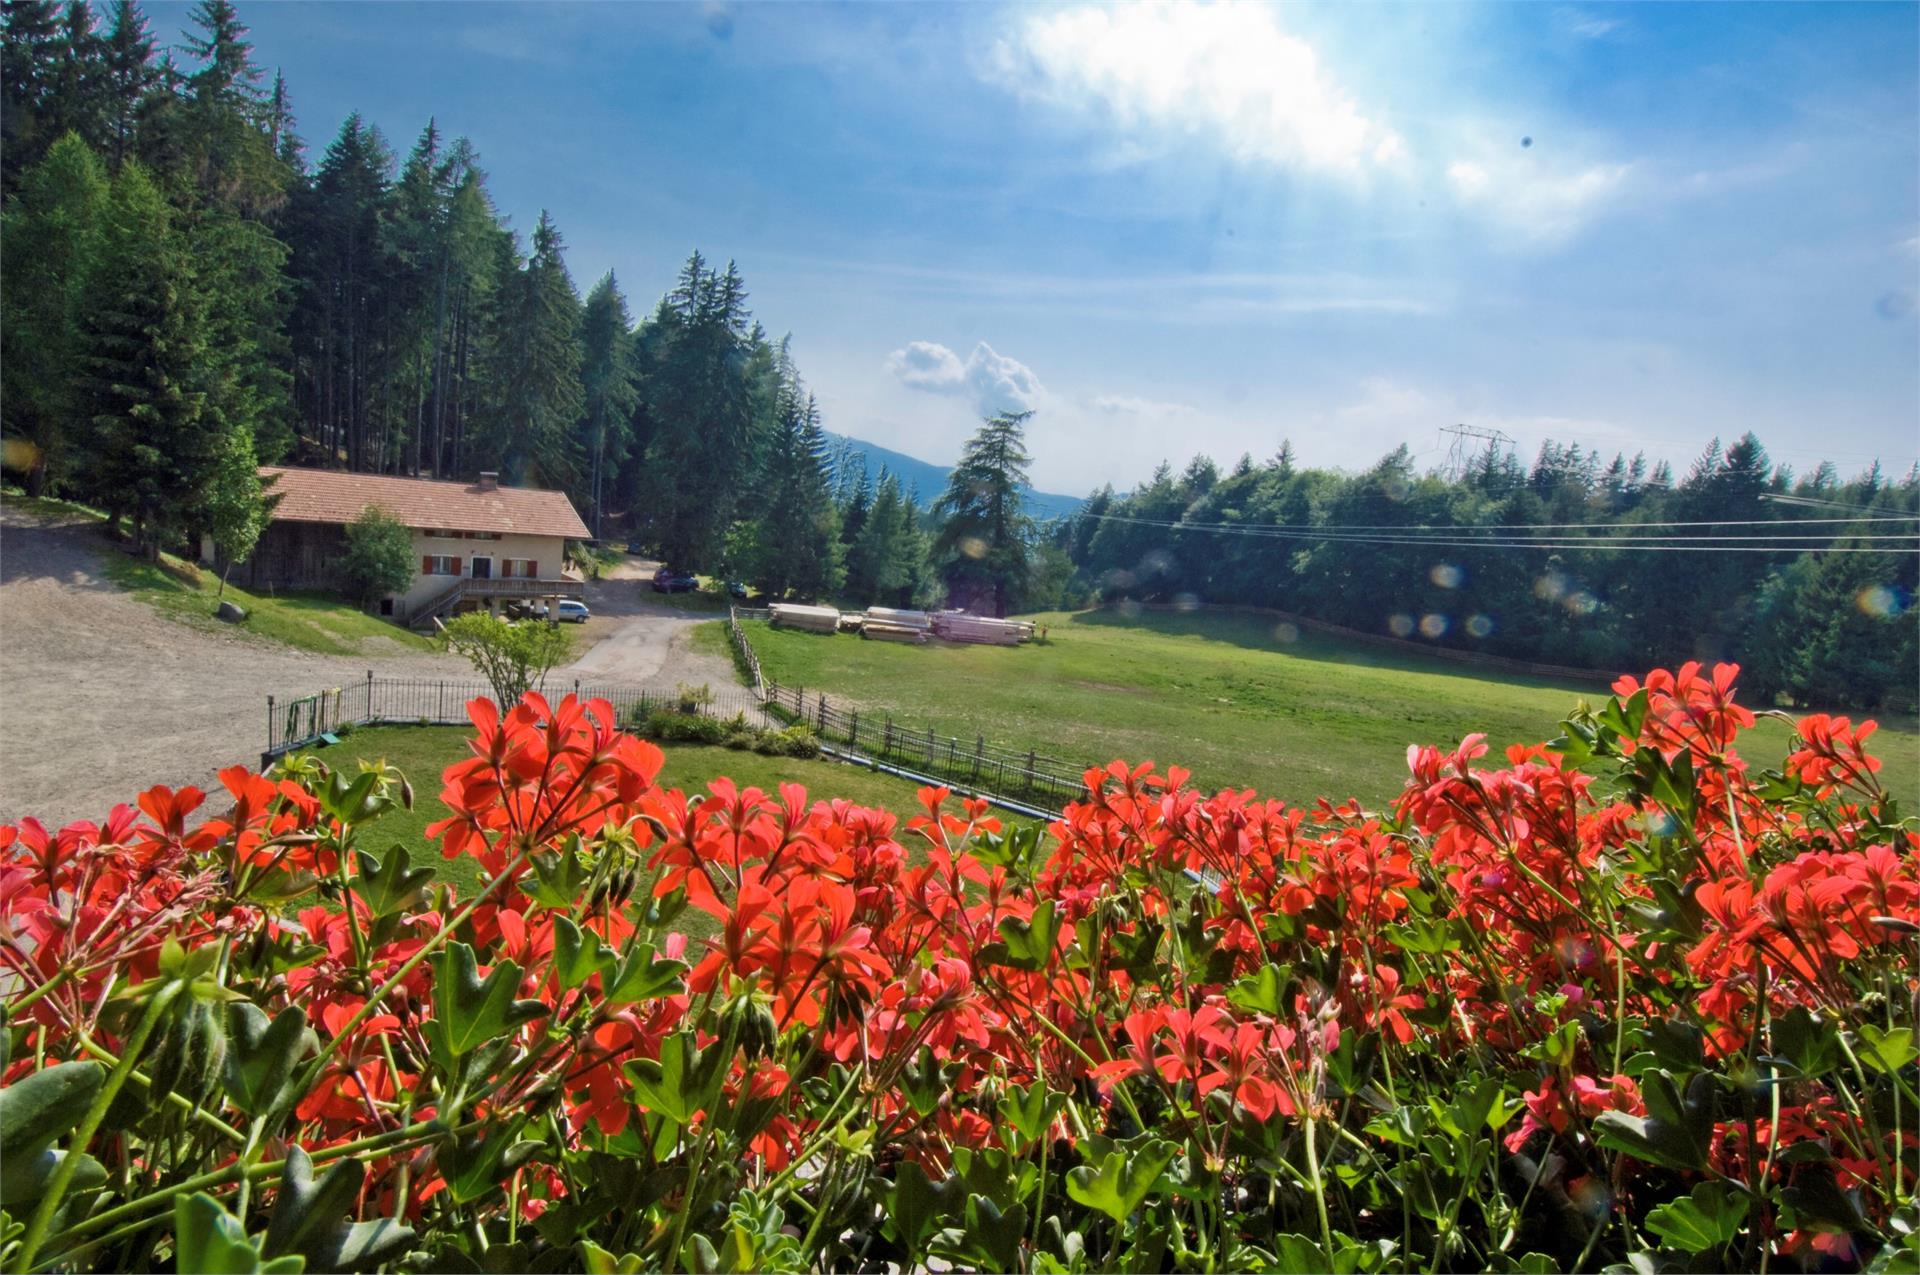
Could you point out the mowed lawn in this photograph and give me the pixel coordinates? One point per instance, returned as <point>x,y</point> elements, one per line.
<point>1292,714</point>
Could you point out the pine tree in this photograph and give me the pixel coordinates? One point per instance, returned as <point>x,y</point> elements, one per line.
<point>131,79</point>
<point>983,544</point>
<point>29,74</point>
<point>538,371</point>
<point>151,445</point>
<point>610,390</point>
<point>79,102</point>
<point>701,412</point>
<point>52,232</point>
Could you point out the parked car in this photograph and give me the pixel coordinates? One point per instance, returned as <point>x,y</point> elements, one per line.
<point>673,580</point>
<point>571,612</point>
<point>737,590</point>
<point>635,547</point>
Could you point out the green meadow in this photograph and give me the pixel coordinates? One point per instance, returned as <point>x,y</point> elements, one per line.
<point>1236,699</point>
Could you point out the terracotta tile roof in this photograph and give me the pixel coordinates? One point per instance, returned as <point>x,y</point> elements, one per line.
<point>334,495</point>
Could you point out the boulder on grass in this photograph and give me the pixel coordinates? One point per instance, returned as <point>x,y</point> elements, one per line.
<point>231,612</point>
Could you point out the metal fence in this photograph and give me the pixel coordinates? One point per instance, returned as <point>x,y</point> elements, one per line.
<point>1028,776</point>
<point>388,701</point>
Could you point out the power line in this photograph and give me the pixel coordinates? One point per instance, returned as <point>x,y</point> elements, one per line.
<point>1538,526</point>
<point>1909,543</point>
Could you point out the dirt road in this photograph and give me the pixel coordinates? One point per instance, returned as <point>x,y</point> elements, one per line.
<point>102,697</point>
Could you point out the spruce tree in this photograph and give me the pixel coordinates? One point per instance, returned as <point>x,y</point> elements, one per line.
<point>30,52</point>
<point>983,546</point>
<point>610,391</point>
<point>130,81</point>
<point>52,230</point>
<point>151,445</point>
<point>538,370</point>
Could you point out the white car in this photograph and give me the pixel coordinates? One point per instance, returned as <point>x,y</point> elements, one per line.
<point>571,612</point>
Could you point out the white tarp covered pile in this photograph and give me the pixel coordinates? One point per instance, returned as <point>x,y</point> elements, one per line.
<point>889,625</point>
<point>956,626</point>
<point>788,615</point>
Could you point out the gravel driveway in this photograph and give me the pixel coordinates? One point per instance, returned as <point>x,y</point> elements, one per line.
<point>102,697</point>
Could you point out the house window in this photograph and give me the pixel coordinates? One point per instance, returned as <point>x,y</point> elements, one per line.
<point>435,564</point>
<point>519,568</point>
<point>386,606</point>
<point>482,535</point>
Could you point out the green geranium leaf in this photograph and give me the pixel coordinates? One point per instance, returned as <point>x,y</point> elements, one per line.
<point>1704,1222</point>
<point>261,1055</point>
<point>469,1011</point>
<point>644,976</point>
<point>1122,1181</point>
<point>209,1240</point>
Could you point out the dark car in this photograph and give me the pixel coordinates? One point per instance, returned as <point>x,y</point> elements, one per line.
<point>635,547</point>
<point>672,580</point>
<point>737,590</point>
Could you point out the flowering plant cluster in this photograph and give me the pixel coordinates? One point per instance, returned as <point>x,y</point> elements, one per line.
<point>1624,1001</point>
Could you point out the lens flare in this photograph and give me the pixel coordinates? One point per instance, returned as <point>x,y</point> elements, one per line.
<point>1878,601</point>
<point>1480,625</point>
<point>1400,625</point>
<point>1186,602</point>
<point>1433,626</point>
<point>1446,575</point>
<point>1286,631</point>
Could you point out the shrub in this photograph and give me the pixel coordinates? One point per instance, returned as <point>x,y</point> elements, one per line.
<point>1624,1001</point>
<point>379,556</point>
<point>513,657</point>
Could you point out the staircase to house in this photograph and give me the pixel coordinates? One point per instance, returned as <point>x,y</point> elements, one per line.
<point>443,604</point>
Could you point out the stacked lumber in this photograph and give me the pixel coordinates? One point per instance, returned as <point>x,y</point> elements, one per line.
<point>919,620</point>
<point>788,615</point>
<point>955,626</point>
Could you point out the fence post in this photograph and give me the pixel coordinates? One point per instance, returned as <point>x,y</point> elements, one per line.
<point>853,729</point>
<point>886,746</point>
<point>823,714</point>
<point>576,688</point>
<point>979,755</point>
<point>272,733</point>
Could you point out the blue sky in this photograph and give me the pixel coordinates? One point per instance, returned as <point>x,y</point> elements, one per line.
<point>1170,228</point>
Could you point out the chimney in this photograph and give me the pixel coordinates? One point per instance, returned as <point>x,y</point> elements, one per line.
<point>489,480</point>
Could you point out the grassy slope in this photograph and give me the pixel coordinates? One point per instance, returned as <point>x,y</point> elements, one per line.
<point>1220,695</point>
<point>182,591</point>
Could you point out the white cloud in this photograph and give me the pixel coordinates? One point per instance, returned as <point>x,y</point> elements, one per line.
<point>1167,72</point>
<point>994,382</point>
<point>1130,405</point>
<point>1588,26</point>
<point>1537,198</point>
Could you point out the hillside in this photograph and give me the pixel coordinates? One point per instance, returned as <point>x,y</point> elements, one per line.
<point>929,480</point>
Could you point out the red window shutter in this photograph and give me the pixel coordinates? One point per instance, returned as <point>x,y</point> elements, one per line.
<point>533,569</point>
<point>456,566</point>
<point>426,566</point>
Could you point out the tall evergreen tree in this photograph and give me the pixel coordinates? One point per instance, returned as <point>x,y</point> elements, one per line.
<point>52,232</point>
<point>699,414</point>
<point>30,56</point>
<point>537,371</point>
<point>151,445</point>
<point>130,80</point>
<point>983,546</point>
<point>610,391</point>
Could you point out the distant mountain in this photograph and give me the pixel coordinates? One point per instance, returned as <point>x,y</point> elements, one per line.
<point>930,480</point>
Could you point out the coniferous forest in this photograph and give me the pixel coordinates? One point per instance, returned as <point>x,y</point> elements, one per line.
<point>193,289</point>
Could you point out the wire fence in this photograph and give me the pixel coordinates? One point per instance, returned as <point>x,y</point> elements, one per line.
<point>295,722</point>
<point>1022,776</point>
<point>989,770</point>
